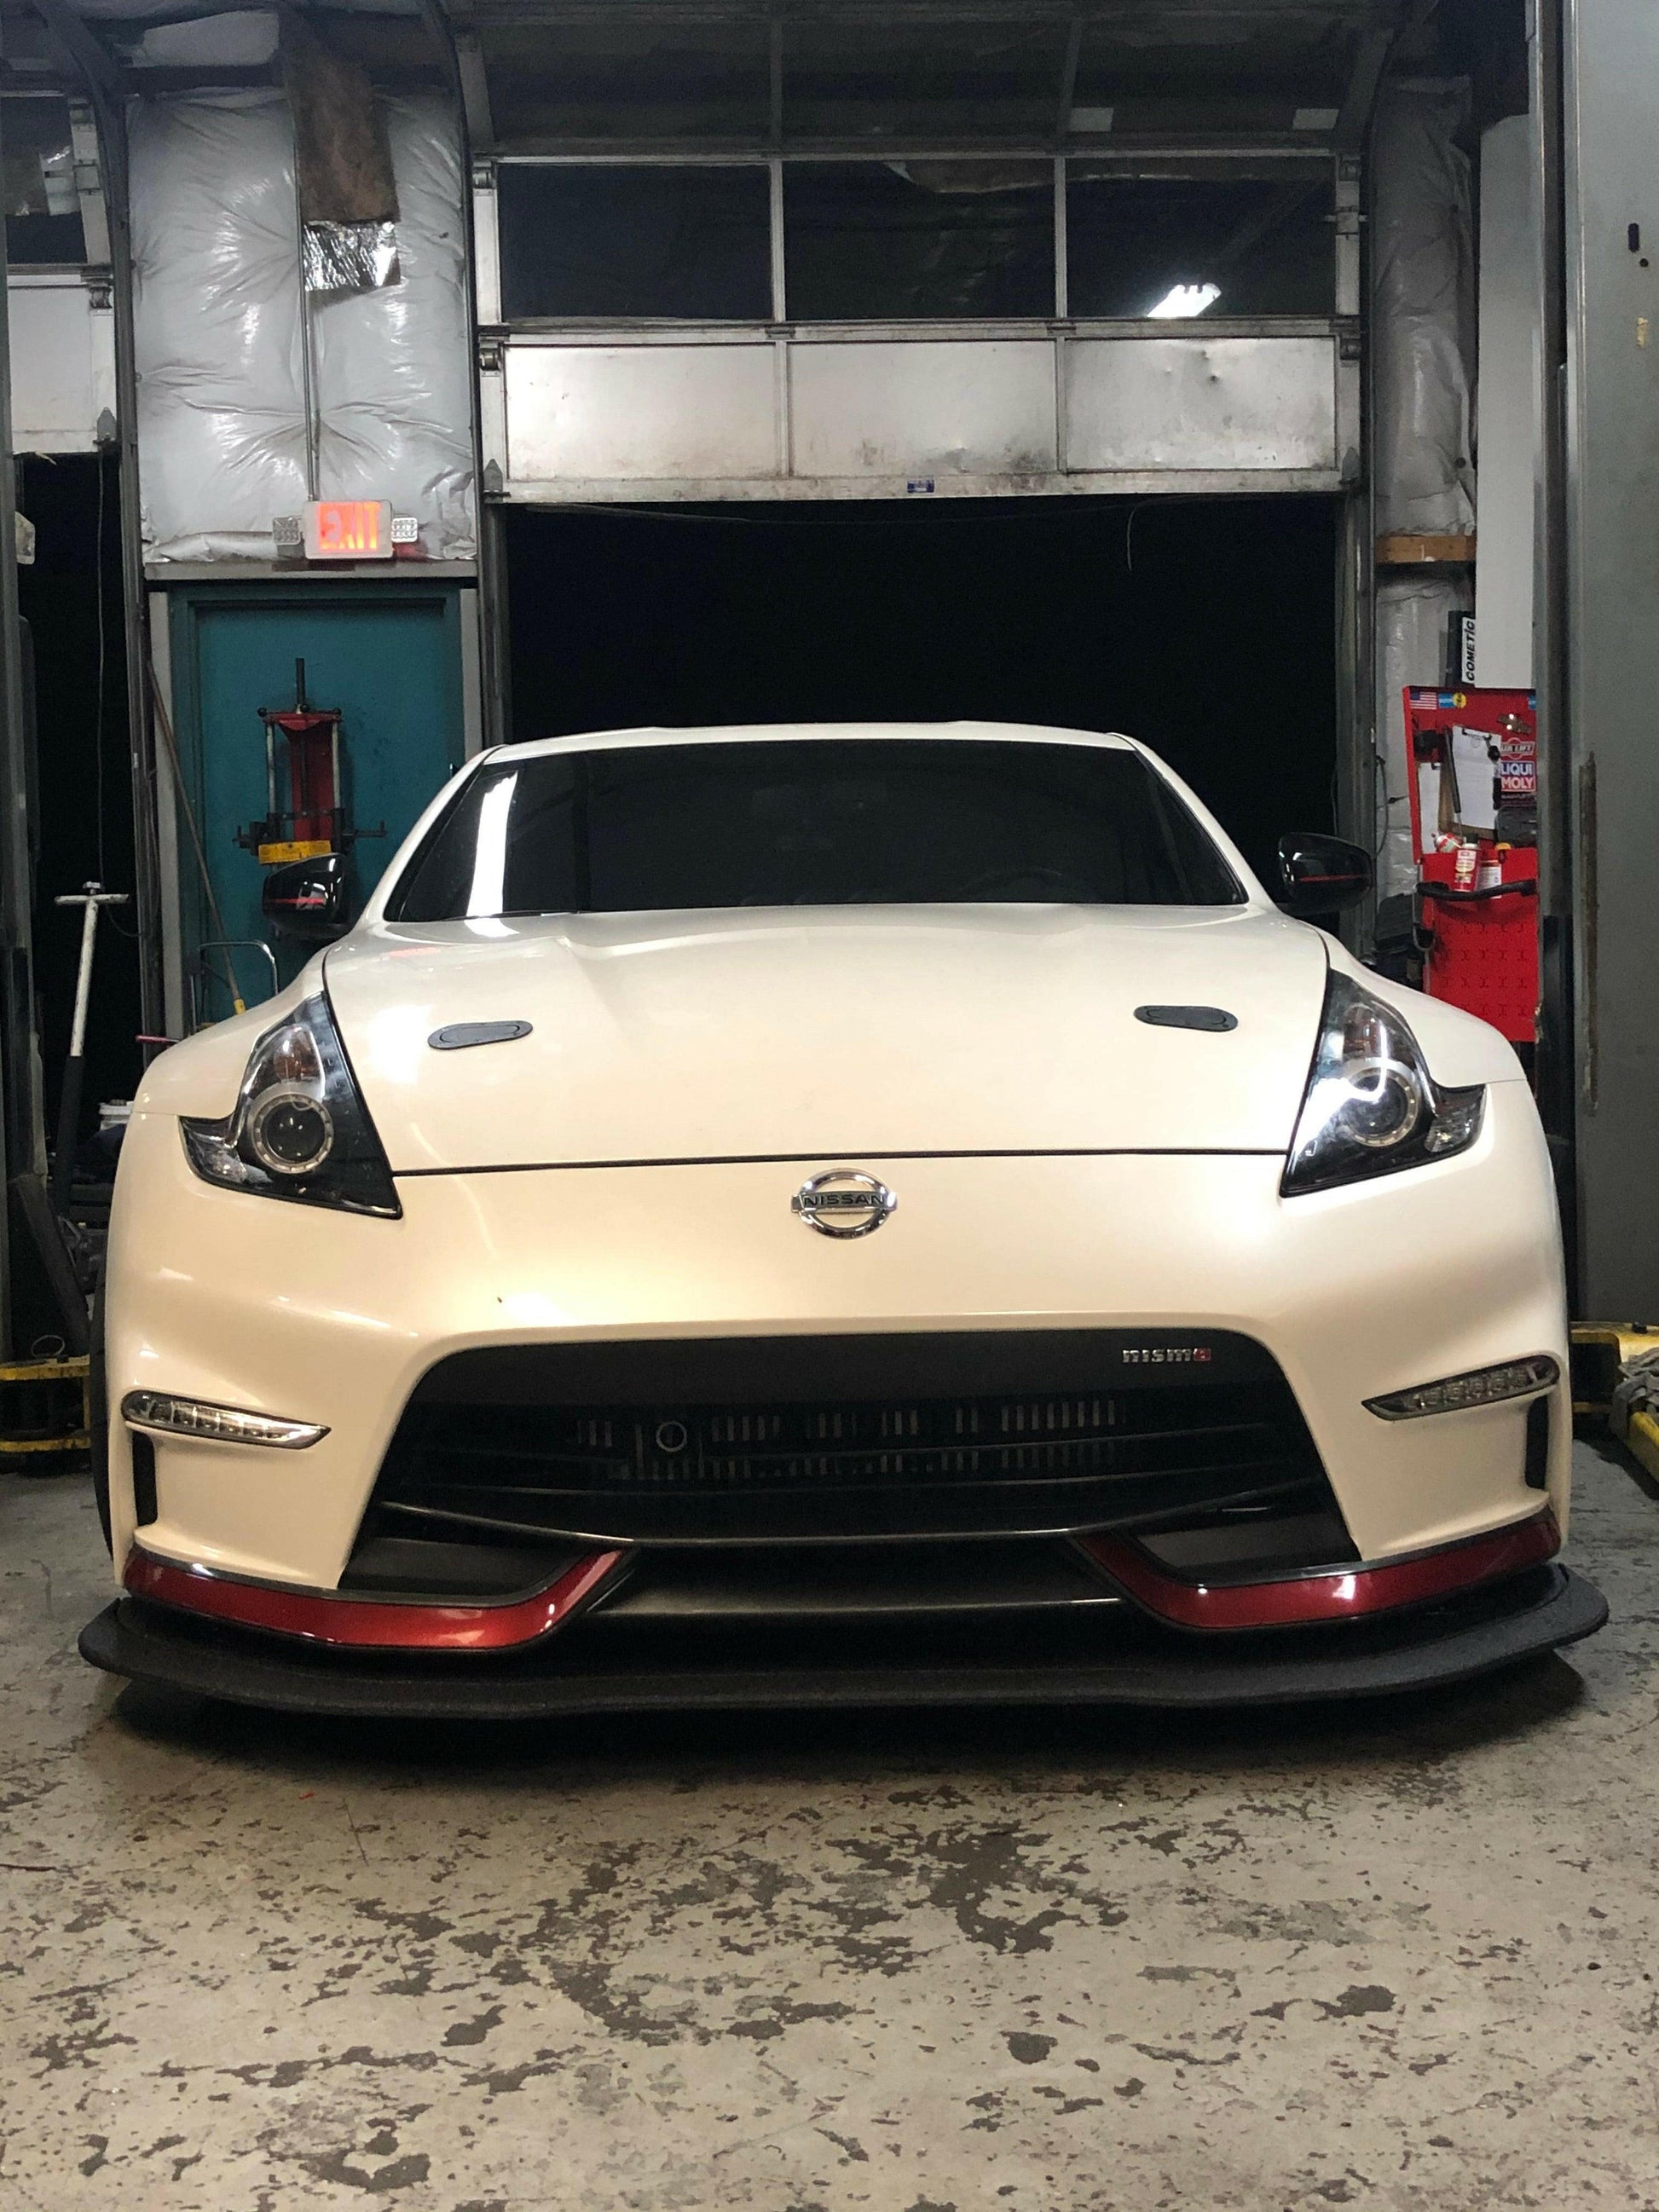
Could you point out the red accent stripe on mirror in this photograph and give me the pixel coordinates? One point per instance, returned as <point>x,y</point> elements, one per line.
<point>367,1624</point>
<point>1344,1594</point>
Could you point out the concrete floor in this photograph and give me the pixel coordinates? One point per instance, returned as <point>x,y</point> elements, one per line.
<point>1390,1956</point>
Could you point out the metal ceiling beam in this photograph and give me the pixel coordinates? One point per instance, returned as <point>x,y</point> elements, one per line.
<point>1068,77</point>
<point>475,92</point>
<point>97,65</point>
<point>1353,120</point>
<point>1153,157</point>
<point>897,15</point>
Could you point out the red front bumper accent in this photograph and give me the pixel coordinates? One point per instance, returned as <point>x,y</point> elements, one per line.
<point>1340,1594</point>
<point>368,1624</point>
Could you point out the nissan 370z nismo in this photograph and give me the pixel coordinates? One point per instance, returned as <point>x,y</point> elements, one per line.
<point>786,1214</point>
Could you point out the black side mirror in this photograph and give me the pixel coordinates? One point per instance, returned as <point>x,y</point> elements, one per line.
<point>306,899</point>
<point>1321,875</point>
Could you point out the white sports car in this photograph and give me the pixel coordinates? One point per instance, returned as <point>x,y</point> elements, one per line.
<point>863,1214</point>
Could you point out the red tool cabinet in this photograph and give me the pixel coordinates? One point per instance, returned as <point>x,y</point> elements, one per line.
<point>1473,793</point>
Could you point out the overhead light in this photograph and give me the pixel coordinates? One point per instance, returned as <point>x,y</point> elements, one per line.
<point>1314,119</point>
<point>1185,300</point>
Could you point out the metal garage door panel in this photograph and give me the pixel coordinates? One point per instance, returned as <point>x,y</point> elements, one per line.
<point>651,412</point>
<point>920,408</point>
<point>1193,402</point>
<point>62,363</point>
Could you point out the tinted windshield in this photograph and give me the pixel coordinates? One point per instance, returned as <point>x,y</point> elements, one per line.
<point>813,822</point>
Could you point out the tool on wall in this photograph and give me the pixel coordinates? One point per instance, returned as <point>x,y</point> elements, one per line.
<point>306,771</point>
<point>1474,794</point>
<point>89,898</point>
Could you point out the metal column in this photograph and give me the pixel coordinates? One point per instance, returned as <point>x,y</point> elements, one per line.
<point>21,1122</point>
<point>107,95</point>
<point>1599,669</point>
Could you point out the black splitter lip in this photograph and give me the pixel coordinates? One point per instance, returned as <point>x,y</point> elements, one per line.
<point>1453,1643</point>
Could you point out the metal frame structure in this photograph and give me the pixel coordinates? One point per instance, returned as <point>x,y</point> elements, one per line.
<point>1342,151</point>
<point>1282,393</point>
<point>22,1124</point>
<point>106,93</point>
<point>63,327</point>
<point>1594,64</point>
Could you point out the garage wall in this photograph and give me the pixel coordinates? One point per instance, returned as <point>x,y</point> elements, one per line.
<point>229,436</point>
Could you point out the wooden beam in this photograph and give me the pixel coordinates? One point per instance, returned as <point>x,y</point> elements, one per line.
<point>1409,549</point>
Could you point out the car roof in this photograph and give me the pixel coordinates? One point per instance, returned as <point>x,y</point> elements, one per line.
<point>753,732</point>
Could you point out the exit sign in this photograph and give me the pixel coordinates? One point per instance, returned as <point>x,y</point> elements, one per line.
<point>348,529</point>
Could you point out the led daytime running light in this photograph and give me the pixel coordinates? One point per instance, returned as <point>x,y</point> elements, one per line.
<point>223,1425</point>
<point>1483,1385</point>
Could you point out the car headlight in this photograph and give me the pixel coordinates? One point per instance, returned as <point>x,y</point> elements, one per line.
<point>1372,1107</point>
<point>298,1130</point>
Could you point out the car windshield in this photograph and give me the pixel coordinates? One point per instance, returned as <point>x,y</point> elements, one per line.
<point>813,821</point>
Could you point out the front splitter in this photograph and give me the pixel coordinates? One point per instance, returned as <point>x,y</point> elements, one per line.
<point>1449,1643</point>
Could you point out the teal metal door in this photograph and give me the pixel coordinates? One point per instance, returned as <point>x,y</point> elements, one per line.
<point>388,656</point>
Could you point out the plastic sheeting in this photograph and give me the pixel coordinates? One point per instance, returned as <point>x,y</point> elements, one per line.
<point>1411,648</point>
<point>246,39</point>
<point>222,416</point>
<point>1422,302</point>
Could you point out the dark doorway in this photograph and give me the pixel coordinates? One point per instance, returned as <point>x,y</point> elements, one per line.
<point>1206,628</point>
<point>70,597</point>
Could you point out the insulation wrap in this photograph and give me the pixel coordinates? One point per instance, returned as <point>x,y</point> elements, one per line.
<point>1423,308</point>
<point>220,337</point>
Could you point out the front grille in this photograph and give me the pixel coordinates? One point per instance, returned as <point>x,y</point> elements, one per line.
<point>1059,1431</point>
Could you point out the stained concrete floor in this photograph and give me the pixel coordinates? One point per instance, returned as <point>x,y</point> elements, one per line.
<point>1391,1956</point>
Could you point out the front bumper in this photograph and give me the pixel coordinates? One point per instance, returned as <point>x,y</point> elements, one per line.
<point>1117,1657</point>
<point>336,1319</point>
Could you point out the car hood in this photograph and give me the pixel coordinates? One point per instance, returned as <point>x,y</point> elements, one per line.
<point>829,1034</point>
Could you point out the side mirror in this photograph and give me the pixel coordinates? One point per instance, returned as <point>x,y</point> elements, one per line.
<point>1321,875</point>
<point>306,899</point>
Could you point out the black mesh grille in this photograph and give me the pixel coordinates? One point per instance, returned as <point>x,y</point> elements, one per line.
<point>1063,1430</point>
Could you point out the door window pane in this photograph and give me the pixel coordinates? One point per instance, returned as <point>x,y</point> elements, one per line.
<point>1178,246</point>
<point>891,241</point>
<point>691,243</point>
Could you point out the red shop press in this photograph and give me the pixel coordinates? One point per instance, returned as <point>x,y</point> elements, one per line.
<point>1473,795</point>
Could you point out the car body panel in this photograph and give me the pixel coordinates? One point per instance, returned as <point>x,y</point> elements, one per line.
<point>925,1029</point>
<point>330,1317</point>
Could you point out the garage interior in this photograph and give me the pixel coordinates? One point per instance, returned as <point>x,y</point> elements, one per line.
<point>1175,619</point>
<point>827,360</point>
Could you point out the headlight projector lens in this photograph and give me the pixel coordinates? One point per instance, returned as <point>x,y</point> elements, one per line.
<point>298,1130</point>
<point>1370,1107</point>
<point>290,1133</point>
<point>1386,1102</point>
